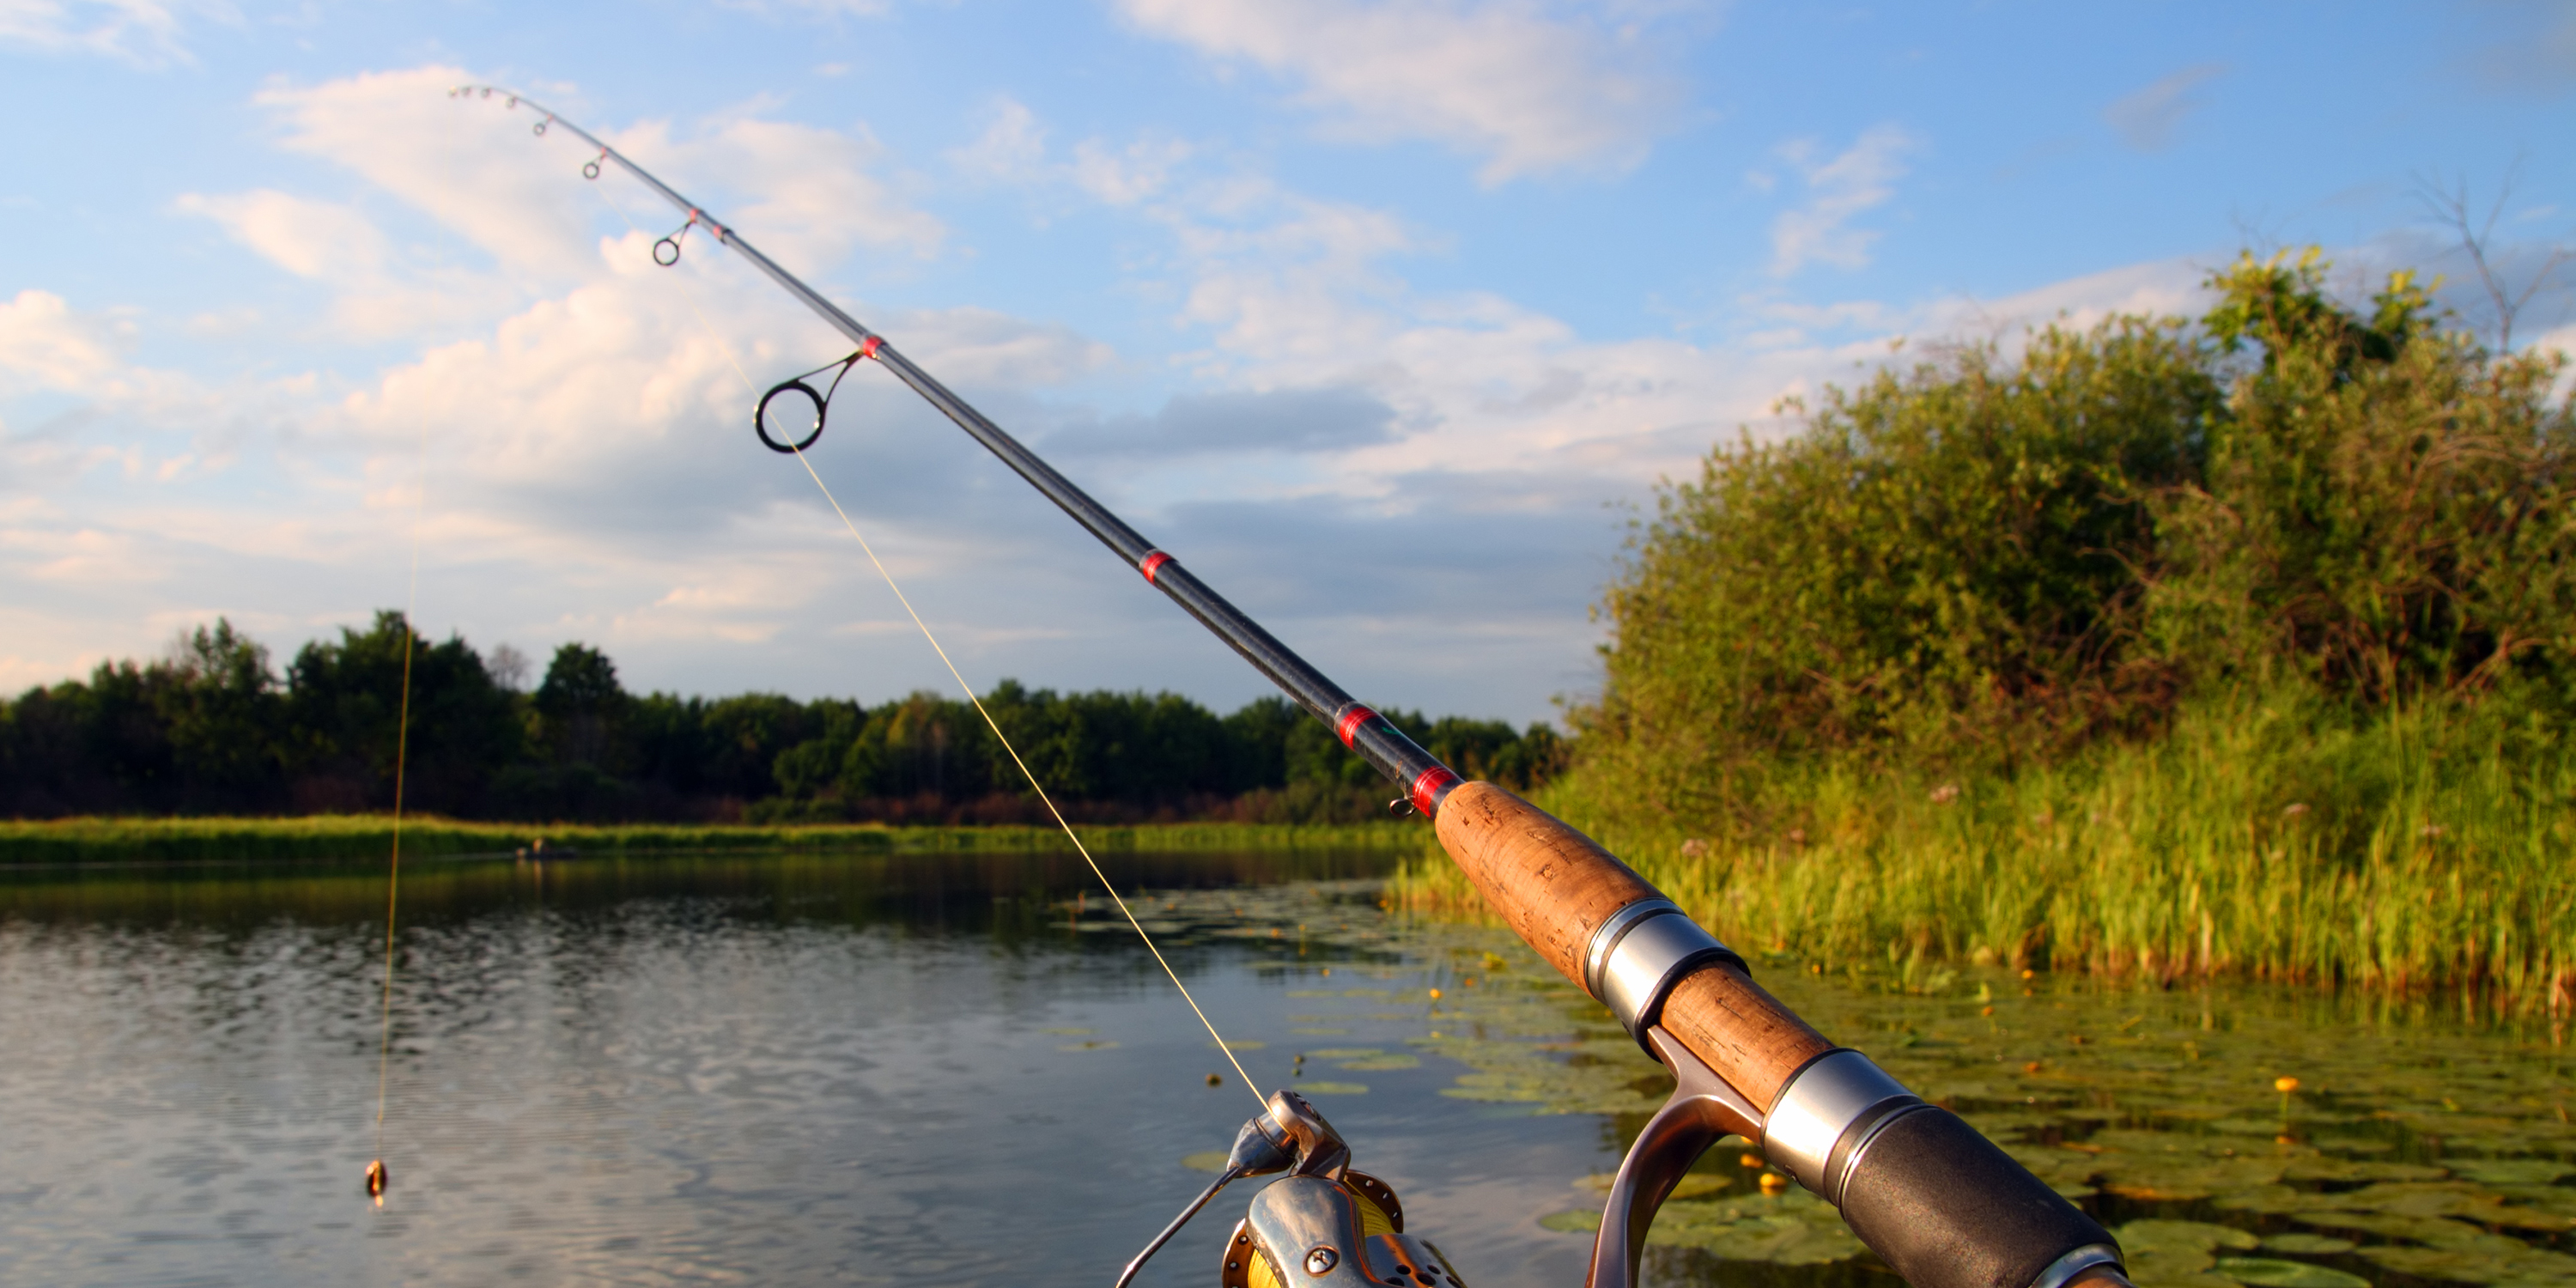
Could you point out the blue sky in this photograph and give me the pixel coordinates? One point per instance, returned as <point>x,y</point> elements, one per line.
<point>1385,317</point>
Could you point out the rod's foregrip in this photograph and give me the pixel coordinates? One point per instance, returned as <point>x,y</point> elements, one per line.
<point>1556,888</point>
<point>1937,1201</point>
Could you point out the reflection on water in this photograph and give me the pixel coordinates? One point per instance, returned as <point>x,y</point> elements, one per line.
<point>779,1069</point>
<point>962,1069</point>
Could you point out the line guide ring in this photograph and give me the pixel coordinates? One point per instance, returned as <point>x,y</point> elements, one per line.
<point>822,402</point>
<point>670,243</point>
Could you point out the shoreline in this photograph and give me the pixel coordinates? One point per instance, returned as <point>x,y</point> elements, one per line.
<point>92,841</point>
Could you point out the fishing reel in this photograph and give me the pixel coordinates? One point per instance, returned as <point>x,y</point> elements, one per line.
<point>1322,1225</point>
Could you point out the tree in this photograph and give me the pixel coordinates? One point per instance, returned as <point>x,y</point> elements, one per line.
<point>581,708</point>
<point>346,704</point>
<point>224,713</point>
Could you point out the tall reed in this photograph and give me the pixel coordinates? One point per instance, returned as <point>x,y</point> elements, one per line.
<point>2422,849</point>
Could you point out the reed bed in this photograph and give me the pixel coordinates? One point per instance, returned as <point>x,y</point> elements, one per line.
<point>2418,853</point>
<point>370,837</point>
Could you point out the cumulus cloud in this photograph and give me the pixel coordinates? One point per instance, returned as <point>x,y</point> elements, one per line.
<point>1529,88</point>
<point>1840,188</point>
<point>474,167</point>
<point>142,32</point>
<point>2146,120</point>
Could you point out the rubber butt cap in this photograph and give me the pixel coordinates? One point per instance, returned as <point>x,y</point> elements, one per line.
<point>1946,1209</point>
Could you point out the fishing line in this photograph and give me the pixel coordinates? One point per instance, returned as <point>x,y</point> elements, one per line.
<point>797,450</point>
<point>377,1176</point>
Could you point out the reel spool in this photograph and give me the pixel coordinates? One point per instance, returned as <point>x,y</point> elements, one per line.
<point>1321,1226</point>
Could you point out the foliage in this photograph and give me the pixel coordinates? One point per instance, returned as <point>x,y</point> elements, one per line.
<point>2276,834</point>
<point>345,704</point>
<point>1946,562</point>
<point>2242,646</point>
<point>1982,563</point>
<point>2385,508</point>
<point>213,730</point>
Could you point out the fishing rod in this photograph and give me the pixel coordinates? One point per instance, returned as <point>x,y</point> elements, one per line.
<point>1936,1200</point>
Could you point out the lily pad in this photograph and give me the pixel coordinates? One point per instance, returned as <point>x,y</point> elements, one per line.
<point>2513,1171</point>
<point>2308,1244</point>
<point>1577,1221</point>
<point>1378,1063</point>
<point>1333,1088</point>
<point>2354,1169</point>
<point>2188,1236</point>
<point>1211,1161</point>
<point>2267,1272</point>
<point>1792,1229</point>
<point>2519,1264</point>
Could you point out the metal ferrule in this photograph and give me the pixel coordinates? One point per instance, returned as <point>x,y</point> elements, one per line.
<point>2085,1258</point>
<point>1825,1118</point>
<point>1639,953</point>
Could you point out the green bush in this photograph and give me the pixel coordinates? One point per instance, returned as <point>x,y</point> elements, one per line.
<point>1985,562</point>
<point>2242,645</point>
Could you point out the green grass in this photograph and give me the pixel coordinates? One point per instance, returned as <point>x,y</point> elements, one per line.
<point>2413,852</point>
<point>370,837</point>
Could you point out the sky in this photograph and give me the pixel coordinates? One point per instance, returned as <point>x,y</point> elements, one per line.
<point>1386,317</point>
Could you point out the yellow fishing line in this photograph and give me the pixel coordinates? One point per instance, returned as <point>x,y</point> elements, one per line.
<point>717,337</point>
<point>393,867</point>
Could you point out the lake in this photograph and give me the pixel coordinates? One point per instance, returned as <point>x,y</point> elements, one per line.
<point>963,1069</point>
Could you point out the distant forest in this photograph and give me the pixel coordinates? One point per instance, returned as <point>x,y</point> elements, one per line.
<point>212,728</point>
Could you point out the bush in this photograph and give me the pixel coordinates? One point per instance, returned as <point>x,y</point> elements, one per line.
<point>1984,562</point>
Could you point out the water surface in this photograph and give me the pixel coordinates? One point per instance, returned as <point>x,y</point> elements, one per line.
<point>930,1069</point>
<point>963,1069</point>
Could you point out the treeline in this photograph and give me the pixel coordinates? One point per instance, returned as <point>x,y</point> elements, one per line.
<point>214,728</point>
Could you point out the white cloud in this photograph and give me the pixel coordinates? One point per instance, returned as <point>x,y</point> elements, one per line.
<point>811,192</point>
<point>2146,120</point>
<point>316,239</point>
<point>470,166</point>
<point>44,345</point>
<point>1840,188</point>
<point>1125,176</point>
<point>476,169</point>
<point>337,245</point>
<point>1528,87</point>
<point>1011,149</point>
<point>143,32</point>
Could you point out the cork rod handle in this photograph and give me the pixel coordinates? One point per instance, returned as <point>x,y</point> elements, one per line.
<point>1555,886</point>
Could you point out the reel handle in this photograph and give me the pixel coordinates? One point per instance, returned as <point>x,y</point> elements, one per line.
<point>1933,1198</point>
